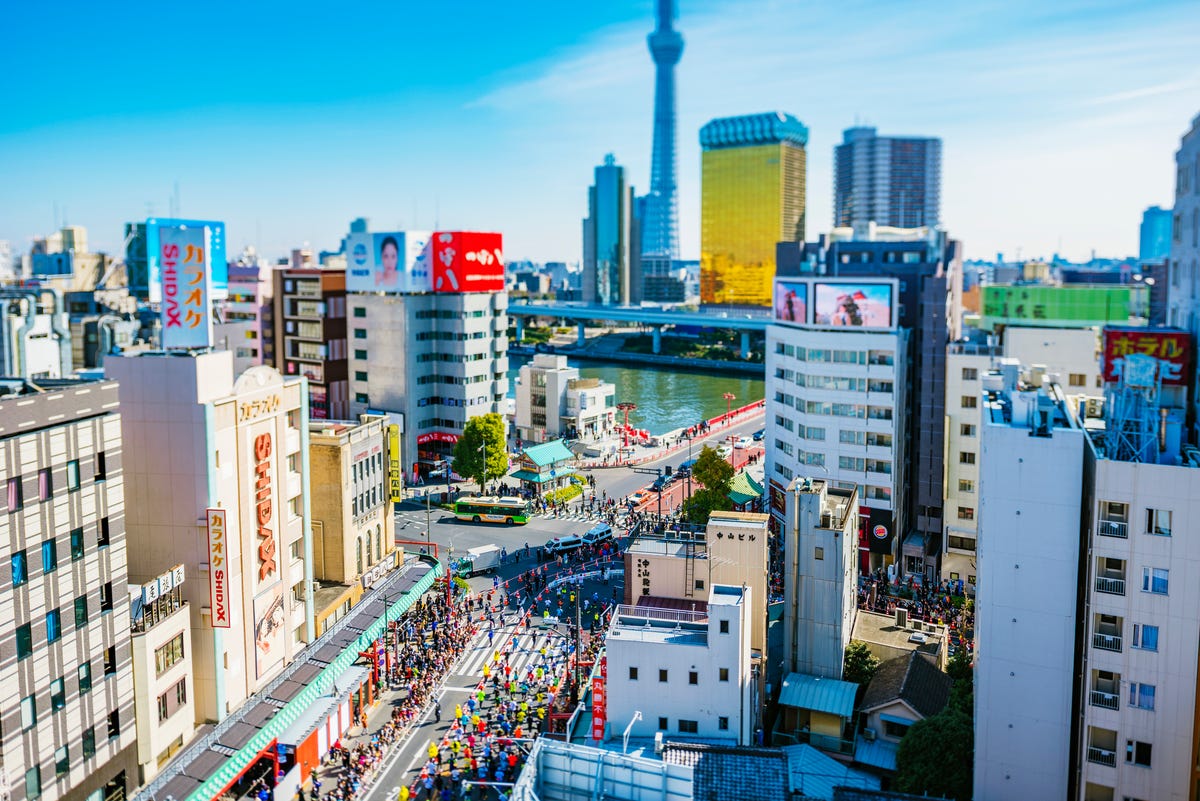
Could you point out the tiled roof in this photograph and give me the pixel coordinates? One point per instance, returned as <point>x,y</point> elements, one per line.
<point>814,775</point>
<point>821,695</point>
<point>549,453</point>
<point>914,679</point>
<point>722,773</point>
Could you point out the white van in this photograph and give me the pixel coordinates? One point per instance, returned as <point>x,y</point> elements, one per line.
<point>599,533</point>
<point>564,544</point>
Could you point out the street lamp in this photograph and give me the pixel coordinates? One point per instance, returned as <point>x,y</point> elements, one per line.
<point>729,399</point>
<point>626,407</point>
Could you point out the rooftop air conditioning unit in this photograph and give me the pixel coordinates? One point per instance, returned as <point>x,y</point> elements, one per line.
<point>658,742</point>
<point>901,617</point>
<point>869,735</point>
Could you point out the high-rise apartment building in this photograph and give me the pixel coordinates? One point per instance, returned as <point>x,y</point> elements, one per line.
<point>752,174</point>
<point>927,266</point>
<point>1154,234</point>
<point>216,475</point>
<point>68,705</point>
<point>310,336</point>
<point>245,323</point>
<point>1184,269</point>
<point>893,181</point>
<point>611,236</point>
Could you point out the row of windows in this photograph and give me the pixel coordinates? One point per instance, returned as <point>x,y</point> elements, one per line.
<point>53,619</point>
<point>168,655</point>
<point>58,691</point>
<point>45,479</point>
<point>456,357</point>
<point>62,758</point>
<point>838,383</point>
<point>693,675</point>
<point>1158,521</point>
<point>172,700</point>
<point>19,561</point>
<point>877,357</point>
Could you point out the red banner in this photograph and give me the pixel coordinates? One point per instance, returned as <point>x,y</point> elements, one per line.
<point>1173,346</point>
<point>437,436</point>
<point>599,708</point>
<point>467,261</point>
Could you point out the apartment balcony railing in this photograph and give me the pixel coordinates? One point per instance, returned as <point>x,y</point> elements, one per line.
<point>1114,528</point>
<point>1106,700</point>
<point>1102,756</point>
<point>1107,642</point>
<point>1112,586</point>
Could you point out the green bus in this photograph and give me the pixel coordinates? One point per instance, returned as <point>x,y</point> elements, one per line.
<point>492,510</point>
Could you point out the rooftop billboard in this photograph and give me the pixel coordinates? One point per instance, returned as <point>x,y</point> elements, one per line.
<point>395,262</point>
<point>214,247</point>
<point>852,303</point>
<point>1172,347</point>
<point>467,261</point>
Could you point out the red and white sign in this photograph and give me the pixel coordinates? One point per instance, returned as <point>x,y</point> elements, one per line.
<point>186,288</point>
<point>1172,347</point>
<point>468,261</point>
<point>437,436</point>
<point>599,708</point>
<point>264,506</point>
<point>218,568</point>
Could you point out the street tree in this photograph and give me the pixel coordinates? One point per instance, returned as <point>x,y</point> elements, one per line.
<point>713,471</point>
<point>484,435</point>
<point>703,503</point>
<point>936,756</point>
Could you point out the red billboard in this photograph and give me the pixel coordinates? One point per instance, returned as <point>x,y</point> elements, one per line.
<point>599,708</point>
<point>467,261</point>
<point>1172,347</point>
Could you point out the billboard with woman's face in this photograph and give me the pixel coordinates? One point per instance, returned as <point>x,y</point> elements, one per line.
<point>388,262</point>
<point>863,305</point>
<point>791,301</point>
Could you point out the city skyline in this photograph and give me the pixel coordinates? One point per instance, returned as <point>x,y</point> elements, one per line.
<point>1069,118</point>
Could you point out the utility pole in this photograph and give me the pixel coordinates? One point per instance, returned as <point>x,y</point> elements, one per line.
<point>428,512</point>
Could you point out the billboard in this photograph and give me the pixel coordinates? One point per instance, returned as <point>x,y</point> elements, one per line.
<point>791,301</point>
<point>215,246</point>
<point>186,288</point>
<point>388,262</point>
<point>1061,305</point>
<point>879,530</point>
<point>395,474</point>
<point>599,708</point>
<point>467,261</point>
<point>850,303</point>
<point>1172,347</point>
<point>270,623</point>
<point>218,568</point>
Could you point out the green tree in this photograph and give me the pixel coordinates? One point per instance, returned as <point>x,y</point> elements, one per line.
<point>703,503</point>
<point>936,756</point>
<point>486,433</point>
<point>859,664</point>
<point>712,471</point>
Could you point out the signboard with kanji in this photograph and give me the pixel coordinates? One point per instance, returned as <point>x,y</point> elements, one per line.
<point>599,708</point>
<point>1171,346</point>
<point>186,288</point>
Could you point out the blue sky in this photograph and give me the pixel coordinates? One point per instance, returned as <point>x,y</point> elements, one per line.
<point>1059,120</point>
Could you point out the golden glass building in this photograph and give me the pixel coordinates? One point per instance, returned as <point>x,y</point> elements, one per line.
<point>751,197</point>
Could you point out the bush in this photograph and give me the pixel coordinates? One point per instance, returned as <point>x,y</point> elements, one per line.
<point>564,494</point>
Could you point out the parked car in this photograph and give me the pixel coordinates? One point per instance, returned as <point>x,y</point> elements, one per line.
<point>597,534</point>
<point>743,442</point>
<point>660,483</point>
<point>723,450</point>
<point>558,545</point>
<point>759,434</point>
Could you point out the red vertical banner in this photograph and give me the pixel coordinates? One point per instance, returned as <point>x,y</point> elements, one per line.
<point>599,708</point>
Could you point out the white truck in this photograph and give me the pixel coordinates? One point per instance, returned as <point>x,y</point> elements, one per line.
<point>480,559</point>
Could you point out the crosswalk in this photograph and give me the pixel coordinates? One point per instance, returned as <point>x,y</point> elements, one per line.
<point>521,646</point>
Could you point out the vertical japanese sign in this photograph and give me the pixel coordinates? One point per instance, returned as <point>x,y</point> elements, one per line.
<point>395,474</point>
<point>218,568</point>
<point>186,288</point>
<point>599,708</point>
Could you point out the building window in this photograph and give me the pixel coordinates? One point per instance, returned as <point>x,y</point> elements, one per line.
<point>1141,696</point>
<point>723,674</point>
<point>45,484</point>
<point>28,712</point>
<point>361,397</point>
<point>723,723</point>
<point>24,641</point>
<point>89,742</point>
<point>1158,521</point>
<point>662,724</point>
<point>76,544</point>
<point>114,724</point>
<point>1077,380</point>
<point>1154,579</point>
<point>361,355</point>
<point>966,513</point>
<point>633,674</point>
<point>662,674</point>
<point>53,626</point>
<point>966,485</point>
<point>1137,753</point>
<point>724,626</point>
<point>169,655</point>
<point>110,660</point>
<point>85,678</point>
<point>360,375</point>
<point>970,402</point>
<point>58,694</point>
<point>819,553</point>
<point>1145,637</point>
<point>966,430</point>
<point>33,783</point>
<point>62,762</point>
<point>970,374</point>
<point>360,333</point>
<point>49,556</point>
<point>72,475</point>
<point>693,677</point>
<point>16,497</point>
<point>359,311</point>
<point>102,539</point>
<point>20,569</point>
<point>106,597</point>
<point>101,467</point>
<point>688,727</point>
<point>966,457</point>
<point>81,611</point>
<point>699,584</point>
<point>893,729</point>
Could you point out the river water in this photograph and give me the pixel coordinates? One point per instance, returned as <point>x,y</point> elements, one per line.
<point>666,398</point>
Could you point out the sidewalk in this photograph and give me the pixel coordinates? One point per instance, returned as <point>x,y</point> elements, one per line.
<point>675,441</point>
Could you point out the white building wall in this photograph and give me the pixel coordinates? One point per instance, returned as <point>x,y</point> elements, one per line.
<point>965,367</point>
<point>1171,666</point>
<point>1029,539</point>
<point>1071,353</point>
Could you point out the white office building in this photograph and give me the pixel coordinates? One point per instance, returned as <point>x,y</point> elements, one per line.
<point>1068,354</point>
<point>688,672</point>
<point>1030,483</point>
<point>554,402</point>
<point>820,576</point>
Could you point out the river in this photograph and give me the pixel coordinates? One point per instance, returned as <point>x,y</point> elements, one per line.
<point>666,398</point>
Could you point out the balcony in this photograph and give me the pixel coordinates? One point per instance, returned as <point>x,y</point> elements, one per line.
<point>1114,528</point>
<point>1110,584</point>
<point>1105,700</point>
<point>1106,642</point>
<point>1102,756</point>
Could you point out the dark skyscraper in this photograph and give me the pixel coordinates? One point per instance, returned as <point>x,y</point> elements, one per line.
<point>660,229</point>
<point>888,180</point>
